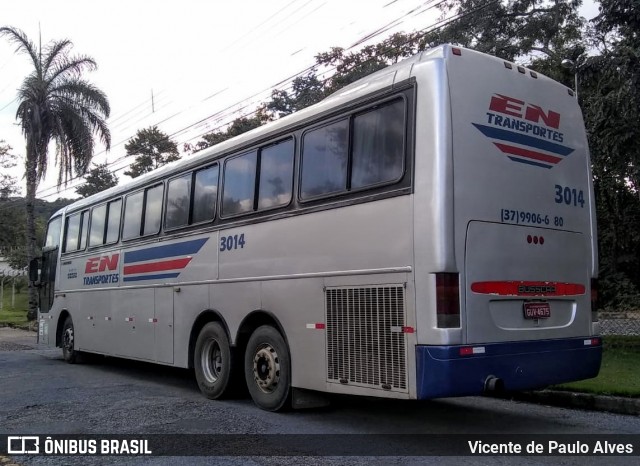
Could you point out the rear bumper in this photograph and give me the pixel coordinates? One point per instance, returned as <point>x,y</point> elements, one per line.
<point>442,371</point>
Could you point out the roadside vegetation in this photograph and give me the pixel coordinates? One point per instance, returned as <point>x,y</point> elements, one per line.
<point>16,315</point>
<point>619,373</point>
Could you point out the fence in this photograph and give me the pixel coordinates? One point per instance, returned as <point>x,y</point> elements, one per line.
<point>619,323</point>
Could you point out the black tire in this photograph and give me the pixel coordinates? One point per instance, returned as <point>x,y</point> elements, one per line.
<point>213,362</point>
<point>267,369</point>
<point>67,341</point>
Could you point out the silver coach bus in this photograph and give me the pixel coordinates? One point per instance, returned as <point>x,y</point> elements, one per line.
<point>427,231</point>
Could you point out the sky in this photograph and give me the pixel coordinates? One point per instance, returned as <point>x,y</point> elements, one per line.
<point>189,66</point>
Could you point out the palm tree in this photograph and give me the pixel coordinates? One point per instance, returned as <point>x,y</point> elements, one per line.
<point>56,105</point>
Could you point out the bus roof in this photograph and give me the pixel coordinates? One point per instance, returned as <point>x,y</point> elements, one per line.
<point>378,80</point>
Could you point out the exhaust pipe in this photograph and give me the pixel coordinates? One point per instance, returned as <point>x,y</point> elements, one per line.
<point>493,385</point>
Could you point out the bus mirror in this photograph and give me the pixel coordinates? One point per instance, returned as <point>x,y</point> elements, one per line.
<point>34,272</point>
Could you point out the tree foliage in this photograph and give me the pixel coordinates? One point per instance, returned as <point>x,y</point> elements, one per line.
<point>98,179</point>
<point>152,149</point>
<point>610,97</point>
<point>236,128</point>
<point>8,183</point>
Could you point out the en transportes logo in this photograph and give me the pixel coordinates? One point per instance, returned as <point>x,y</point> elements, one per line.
<point>525,132</point>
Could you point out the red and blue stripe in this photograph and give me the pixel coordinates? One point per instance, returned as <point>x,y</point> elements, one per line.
<point>526,149</point>
<point>160,262</point>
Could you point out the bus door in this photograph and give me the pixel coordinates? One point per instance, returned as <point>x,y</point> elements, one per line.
<point>48,278</point>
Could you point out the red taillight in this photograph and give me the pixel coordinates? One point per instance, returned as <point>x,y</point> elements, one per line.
<point>448,300</point>
<point>594,300</point>
<point>456,51</point>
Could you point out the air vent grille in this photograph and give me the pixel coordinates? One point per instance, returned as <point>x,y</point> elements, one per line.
<point>365,339</point>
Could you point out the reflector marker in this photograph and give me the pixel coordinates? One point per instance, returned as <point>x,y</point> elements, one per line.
<point>89,317</point>
<point>128,319</point>
<point>592,342</point>
<point>528,288</point>
<point>398,329</point>
<point>317,326</point>
<point>469,350</point>
<point>153,321</point>
<point>107,318</point>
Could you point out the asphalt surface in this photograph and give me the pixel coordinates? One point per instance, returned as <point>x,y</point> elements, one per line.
<point>42,394</point>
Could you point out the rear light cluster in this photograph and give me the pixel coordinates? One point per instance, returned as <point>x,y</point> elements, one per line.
<point>448,300</point>
<point>594,300</point>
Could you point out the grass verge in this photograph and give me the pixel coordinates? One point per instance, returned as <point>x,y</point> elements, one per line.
<point>619,373</point>
<point>16,315</point>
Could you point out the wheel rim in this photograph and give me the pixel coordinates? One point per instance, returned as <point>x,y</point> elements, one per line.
<point>211,361</point>
<point>67,340</point>
<point>266,368</point>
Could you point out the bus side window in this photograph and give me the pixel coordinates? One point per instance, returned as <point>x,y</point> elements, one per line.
<point>276,175</point>
<point>205,194</point>
<point>178,201</point>
<point>153,210</point>
<point>113,225</point>
<point>324,160</point>
<point>84,224</point>
<point>105,223</point>
<point>239,184</point>
<point>98,217</point>
<point>72,231</point>
<point>378,145</point>
<point>132,215</point>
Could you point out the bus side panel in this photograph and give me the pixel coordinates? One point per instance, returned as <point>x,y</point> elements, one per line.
<point>289,261</point>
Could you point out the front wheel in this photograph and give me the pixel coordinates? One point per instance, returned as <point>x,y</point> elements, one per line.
<point>212,361</point>
<point>69,352</point>
<point>267,369</point>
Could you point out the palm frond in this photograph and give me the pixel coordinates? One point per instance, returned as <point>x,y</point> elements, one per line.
<point>70,68</point>
<point>18,37</point>
<point>54,53</point>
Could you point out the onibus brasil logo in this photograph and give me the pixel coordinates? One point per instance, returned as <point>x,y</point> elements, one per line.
<point>525,132</point>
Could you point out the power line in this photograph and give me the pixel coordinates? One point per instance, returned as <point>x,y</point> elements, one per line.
<point>220,114</point>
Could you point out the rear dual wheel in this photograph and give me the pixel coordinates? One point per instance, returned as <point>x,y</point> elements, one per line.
<point>213,362</point>
<point>267,369</point>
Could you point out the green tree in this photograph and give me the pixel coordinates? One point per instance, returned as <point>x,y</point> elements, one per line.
<point>98,179</point>
<point>237,127</point>
<point>609,92</point>
<point>56,105</point>
<point>8,183</point>
<point>152,149</point>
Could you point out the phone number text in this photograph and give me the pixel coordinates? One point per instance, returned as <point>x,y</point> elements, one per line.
<point>526,217</point>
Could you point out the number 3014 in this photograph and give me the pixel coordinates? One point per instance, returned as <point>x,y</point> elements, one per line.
<point>227,243</point>
<point>569,196</point>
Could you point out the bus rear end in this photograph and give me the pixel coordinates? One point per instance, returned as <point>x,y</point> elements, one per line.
<point>524,243</point>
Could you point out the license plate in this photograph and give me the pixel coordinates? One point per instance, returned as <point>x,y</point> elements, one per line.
<point>537,310</point>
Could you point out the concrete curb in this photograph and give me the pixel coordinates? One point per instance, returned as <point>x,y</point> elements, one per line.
<point>588,401</point>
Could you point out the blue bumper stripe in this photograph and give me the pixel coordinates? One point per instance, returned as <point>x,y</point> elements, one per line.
<point>442,371</point>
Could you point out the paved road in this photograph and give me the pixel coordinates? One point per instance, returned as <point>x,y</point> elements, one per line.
<point>42,394</point>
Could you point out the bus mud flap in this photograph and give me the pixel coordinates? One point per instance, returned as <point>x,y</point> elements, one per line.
<point>303,399</point>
